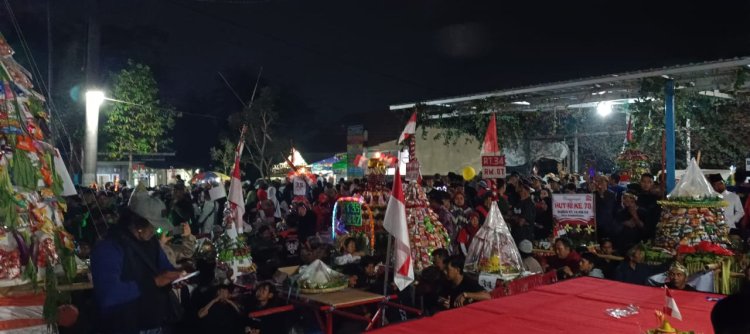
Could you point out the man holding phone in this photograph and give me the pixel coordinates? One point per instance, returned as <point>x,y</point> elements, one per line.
<point>178,244</point>
<point>131,274</point>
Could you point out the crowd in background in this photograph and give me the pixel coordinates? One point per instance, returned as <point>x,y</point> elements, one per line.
<point>285,230</point>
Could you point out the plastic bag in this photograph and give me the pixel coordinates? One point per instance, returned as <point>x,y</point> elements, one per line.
<point>493,249</point>
<point>693,185</point>
<point>318,275</point>
<point>625,312</point>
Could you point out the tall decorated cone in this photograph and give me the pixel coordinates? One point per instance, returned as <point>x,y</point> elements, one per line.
<point>236,200</point>
<point>395,224</point>
<point>410,129</point>
<point>670,306</point>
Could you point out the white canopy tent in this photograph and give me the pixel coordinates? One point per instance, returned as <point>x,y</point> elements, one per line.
<point>283,167</point>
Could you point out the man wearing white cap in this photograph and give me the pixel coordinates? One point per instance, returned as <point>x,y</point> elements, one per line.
<point>526,249</point>
<point>131,274</point>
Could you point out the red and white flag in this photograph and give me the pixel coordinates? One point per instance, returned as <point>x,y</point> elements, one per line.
<point>490,138</point>
<point>410,129</point>
<point>236,199</point>
<point>395,224</point>
<point>670,306</point>
<point>361,159</point>
<point>629,133</point>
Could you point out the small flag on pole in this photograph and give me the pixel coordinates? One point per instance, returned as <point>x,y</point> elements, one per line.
<point>490,138</point>
<point>670,306</point>
<point>236,199</point>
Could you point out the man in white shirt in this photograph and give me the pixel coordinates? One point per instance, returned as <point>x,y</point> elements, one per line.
<point>734,212</point>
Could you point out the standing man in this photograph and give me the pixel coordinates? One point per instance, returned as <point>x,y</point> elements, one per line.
<point>524,221</point>
<point>648,199</point>
<point>513,184</point>
<point>131,273</point>
<point>614,185</point>
<point>734,212</point>
<point>605,202</point>
<point>629,223</point>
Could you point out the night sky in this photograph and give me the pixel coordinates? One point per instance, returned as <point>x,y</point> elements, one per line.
<point>343,62</point>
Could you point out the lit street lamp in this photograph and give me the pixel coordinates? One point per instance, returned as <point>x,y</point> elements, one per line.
<point>604,108</point>
<point>94,100</point>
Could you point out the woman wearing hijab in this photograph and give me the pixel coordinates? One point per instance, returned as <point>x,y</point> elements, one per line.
<point>467,233</point>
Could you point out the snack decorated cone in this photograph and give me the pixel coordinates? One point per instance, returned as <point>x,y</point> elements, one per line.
<point>426,233</point>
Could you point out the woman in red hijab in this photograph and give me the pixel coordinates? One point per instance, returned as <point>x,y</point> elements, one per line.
<point>322,211</point>
<point>266,209</point>
<point>466,235</point>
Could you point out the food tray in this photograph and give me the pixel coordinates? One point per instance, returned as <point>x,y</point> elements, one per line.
<point>317,291</point>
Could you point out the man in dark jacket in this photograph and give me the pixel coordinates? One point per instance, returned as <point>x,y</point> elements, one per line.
<point>633,270</point>
<point>605,202</point>
<point>304,220</point>
<point>525,216</point>
<point>132,276</point>
<point>648,198</point>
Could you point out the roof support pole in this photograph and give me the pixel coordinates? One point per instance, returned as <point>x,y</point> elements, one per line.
<point>670,132</point>
<point>575,153</point>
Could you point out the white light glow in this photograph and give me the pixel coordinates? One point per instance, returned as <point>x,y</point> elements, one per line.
<point>521,103</point>
<point>95,98</point>
<point>604,108</point>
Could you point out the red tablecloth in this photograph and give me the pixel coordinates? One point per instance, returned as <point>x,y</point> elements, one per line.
<point>573,306</point>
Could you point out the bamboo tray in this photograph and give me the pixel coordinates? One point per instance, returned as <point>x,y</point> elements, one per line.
<point>317,291</point>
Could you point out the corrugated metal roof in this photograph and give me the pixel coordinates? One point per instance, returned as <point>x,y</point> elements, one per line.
<point>708,75</point>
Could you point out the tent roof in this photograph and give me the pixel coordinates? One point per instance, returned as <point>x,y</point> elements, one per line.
<point>330,160</point>
<point>295,157</point>
<point>707,78</point>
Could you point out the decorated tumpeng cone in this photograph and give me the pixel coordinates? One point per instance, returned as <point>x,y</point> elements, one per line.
<point>692,215</point>
<point>493,250</point>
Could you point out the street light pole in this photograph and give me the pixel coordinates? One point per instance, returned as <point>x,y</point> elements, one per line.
<point>94,100</point>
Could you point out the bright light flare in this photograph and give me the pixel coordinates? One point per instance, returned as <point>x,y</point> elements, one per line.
<point>604,108</point>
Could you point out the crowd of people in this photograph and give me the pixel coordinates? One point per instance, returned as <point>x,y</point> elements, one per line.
<point>144,240</point>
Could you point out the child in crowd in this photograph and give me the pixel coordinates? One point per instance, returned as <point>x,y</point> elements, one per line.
<point>349,253</point>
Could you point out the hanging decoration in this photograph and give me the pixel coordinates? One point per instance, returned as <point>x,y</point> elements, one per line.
<point>300,177</point>
<point>376,194</point>
<point>33,242</point>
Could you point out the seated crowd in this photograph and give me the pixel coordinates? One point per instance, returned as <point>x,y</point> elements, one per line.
<point>132,271</point>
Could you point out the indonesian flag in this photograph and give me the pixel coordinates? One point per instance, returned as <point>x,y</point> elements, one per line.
<point>629,133</point>
<point>236,199</point>
<point>670,306</point>
<point>395,224</point>
<point>410,129</point>
<point>490,138</point>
